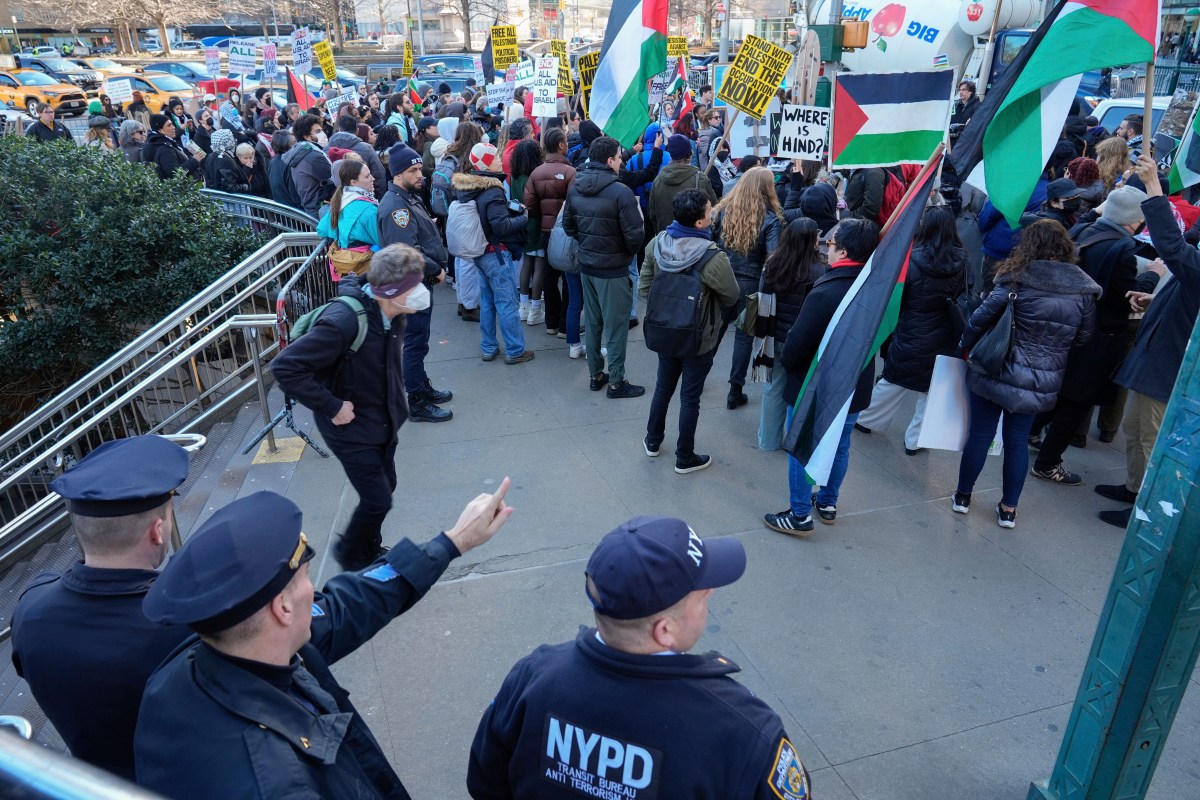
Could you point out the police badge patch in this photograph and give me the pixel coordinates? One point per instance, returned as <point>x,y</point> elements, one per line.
<point>400,217</point>
<point>788,778</point>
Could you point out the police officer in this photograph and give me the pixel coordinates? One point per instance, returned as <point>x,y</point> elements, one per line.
<point>402,219</point>
<point>79,637</point>
<point>590,717</point>
<point>252,710</point>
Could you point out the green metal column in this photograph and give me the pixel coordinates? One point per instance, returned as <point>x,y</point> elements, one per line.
<point>1149,632</point>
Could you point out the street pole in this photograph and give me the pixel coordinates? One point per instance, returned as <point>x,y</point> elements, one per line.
<point>723,58</point>
<point>421,25</point>
<point>1148,636</point>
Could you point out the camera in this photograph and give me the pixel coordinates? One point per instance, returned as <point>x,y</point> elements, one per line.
<point>516,207</point>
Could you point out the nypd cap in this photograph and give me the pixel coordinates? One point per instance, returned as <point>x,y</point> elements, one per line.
<point>124,477</point>
<point>649,564</point>
<point>232,566</point>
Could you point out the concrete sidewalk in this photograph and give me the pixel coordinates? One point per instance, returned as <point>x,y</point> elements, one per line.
<point>912,652</point>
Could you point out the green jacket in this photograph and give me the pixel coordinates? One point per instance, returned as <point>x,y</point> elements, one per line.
<point>671,180</point>
<point>667,254</point>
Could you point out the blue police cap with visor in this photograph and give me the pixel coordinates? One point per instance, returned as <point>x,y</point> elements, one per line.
<point>124,477</point>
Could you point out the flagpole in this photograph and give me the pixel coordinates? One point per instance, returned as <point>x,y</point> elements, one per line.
<point>1148,112</point>
<point>937,155</point>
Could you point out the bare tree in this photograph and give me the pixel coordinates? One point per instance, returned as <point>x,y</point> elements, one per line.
<point>169,13</point>
<point>471,9</point>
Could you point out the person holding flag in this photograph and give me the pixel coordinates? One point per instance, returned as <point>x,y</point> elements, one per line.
<point>401,109</point>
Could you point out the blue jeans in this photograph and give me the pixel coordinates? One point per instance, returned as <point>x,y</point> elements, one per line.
<point>574,306</point>
<point>416,347</point>
<point>801,490</point>
<point>1015,434</point>
<point>774,409</point>
<point>498,299</point>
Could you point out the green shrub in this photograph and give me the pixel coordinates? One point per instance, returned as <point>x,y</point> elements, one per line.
<point>91,248</point>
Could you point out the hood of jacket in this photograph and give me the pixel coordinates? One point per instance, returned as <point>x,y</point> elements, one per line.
<point>439,148</point>
<point>676,255</point>
<point>594,178</point>
<point>345,139</point>
<point>819,200</point>
<point>942,264</point>
<point>476,181</point>
<point>677,173</point>
<point>299,152</point>
<point>1053,276</point>
<point>652,131</point>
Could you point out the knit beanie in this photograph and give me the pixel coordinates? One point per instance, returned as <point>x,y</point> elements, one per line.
<point>401,157</point>
<point>484,157</point>
<point>1124,206</point>
<point>95,107</point>
<point>680,147</point>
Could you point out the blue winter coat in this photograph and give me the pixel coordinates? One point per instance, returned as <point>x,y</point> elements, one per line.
<point>998,235</point>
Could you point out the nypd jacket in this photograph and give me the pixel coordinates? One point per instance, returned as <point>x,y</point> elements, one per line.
<point>582,719</point>
<point>318,371</point>
<point>402,219</point>
<point>213,726</point>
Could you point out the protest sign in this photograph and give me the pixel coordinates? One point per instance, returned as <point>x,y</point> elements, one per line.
<point>677,46</point>
<point>587,65</point>
<point>350,96</point>
<point>558,49</point>
<point>324,54</point>
<point>524,74</point>
<point>301,51</point>
<point>510,74</point>
<point>750,136</point>
<point>802,132</point>
<point>754,76</point>
<point>477,63</point>
<point>658,86</point>
<point>119,91</point>
<point>243,56</point>
<point>212,61</point>
<point>407,67</point>
<point>504,45</point>
<point>545,88</point>
<point>270,61</point>
<point>498,93</point>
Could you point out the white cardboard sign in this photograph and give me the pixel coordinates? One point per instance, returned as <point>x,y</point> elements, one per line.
<point>802,132</point>
<point>545,87</point>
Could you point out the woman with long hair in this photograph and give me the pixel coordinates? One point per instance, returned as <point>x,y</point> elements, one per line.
<point>789,273</point>
<point>466,274</point>
<point>370,112</point>
<point>926,328</point>
<point>545,195</point>
<point>746,226</point>
<point>1085,173</point>
<point>99,134</point>
<point>351,217</point>
<point>1054,308</point>
<point>1112,159</point>
<point>526,157</point>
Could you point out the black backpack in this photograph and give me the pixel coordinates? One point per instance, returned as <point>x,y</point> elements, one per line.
<point>441,190</point>
<point>675,310</point>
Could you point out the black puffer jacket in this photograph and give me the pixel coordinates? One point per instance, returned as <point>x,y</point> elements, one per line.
<point>603,215</point>
<point>222,172</point>
<point>167,155</point>
<point>925,329</point>
<point>787,306</point>
<point>500,226</point>
<point>1055,309</point>
<point>750,265</point>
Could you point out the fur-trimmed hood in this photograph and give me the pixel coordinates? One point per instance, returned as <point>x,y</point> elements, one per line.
<point>477,181</point>
<point>1054,276</point>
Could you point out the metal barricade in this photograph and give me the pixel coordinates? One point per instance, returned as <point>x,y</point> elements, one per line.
<point>28,770</point>
<point>264,216</point>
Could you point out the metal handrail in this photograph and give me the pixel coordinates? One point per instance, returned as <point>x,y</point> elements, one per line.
<point>254,211</point>
<point>31,771</point>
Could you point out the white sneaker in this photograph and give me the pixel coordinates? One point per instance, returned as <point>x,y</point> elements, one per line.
<point>523,312</point>
<point>576,351</point>
<point>537,315</point>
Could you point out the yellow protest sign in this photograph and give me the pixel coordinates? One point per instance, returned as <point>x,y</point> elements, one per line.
<point>408,69</point>
<point>324,54</point>
<point>756,73</point>
<point>504,46</point>
<point>587,65</point>
<point>558,49</point>
<point>677,46</point>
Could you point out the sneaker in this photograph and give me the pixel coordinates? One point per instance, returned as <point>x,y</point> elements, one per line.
<point>523,311</point>
<point>1119,519</point>
<point>598,381</point>
<point>521,359</point>
<point>537,315</point>
<point>1079,441</point>
<point>651,449</point>
<point>552,332</point>
<point>617,391</point>
<point>1057,474</point>
<point>490,356</point>
<point>1005,519</point>
<point>576,350</point>
<point>789,523</point>
<point>1116,491</point>
<point>692,463</point>
<point>861,428</point>
<point>961,503</point>
<point>420,409</point>
<point>633,323</point>
<point>1035,442</point>
<point>562,334</point>
<point>827,514</point>
<point>470,315</point>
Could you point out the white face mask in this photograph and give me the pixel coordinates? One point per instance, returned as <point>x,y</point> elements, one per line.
<point>418,299</point>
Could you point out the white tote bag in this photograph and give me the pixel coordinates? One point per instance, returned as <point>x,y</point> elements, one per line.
<point>948,410</point>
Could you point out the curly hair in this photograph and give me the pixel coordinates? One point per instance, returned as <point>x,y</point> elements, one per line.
<point>1112,159</point>
<point>745,208</point>
<point>1044,240</point>
<point>526,157</point>
<point>1084,172</point>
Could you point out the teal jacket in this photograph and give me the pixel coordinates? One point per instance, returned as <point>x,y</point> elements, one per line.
<point>356,223</point>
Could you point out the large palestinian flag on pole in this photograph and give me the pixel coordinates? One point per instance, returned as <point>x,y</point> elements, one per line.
<point>1008,141</point>
<point>865,317</point>
<point>635,49</point>
<point>889,118</point>
<point>297,92</point>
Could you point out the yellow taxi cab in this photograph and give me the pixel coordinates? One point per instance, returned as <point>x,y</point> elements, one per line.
<point>25,88</point>
<point>105,66</point>
<point>158,87</point>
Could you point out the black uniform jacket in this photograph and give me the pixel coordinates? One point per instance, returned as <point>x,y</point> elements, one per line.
<point>211,728</point>
<point>402,219</point>
<point>583,719</point>
<point>82,642</point>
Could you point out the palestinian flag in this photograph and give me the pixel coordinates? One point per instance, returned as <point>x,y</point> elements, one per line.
<point>865,317</point>
<point>1185,168</point>
<point>635,49</point>
<point>297,92</point>
<point>884,119</point>
<point>687,103</point>
<point>415,95</point>
<point>1005,147</point>
<point>679,80</point>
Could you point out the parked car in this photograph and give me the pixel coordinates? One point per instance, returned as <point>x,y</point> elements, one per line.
<point>1111,112</point>
<point>219,42</point>
<point>25,88</point>
<point>447,62</point>
<point>65,71</point>
<point>104,50</point>
<point>192,45</point>
<point>157,87</point>
<point>104,66</point>
<point>40,50</point>
<point>347,78</point>
<point>194,73</point>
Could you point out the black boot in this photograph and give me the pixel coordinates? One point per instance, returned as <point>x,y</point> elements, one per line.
<point>420,409</point>
<point>736,398</point>
<point>353,557</point>
<point>437,396</point>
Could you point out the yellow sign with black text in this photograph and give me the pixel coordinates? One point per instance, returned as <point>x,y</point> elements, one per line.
<point>504,46</point>
<point>558,49</point>
<point>587,64</point>
<point>756,73</point>
<point>324,54</point>
<point>677,46</point>
<point>408,69</point>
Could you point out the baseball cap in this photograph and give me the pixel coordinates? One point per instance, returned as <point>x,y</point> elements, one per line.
<point>484,157</point>
<point>1061,189</point>
<point>648,564</point>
